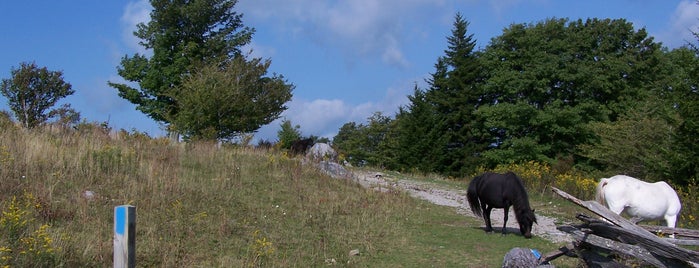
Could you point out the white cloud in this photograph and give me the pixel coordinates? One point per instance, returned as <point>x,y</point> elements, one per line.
<point>393,55</point>
<point>134,13</point>
<point>371,29</point>
<point>323,118</point>
<point>316,114</point>
<point>318,117</point>
<point>683,22</point>
<point>502,6</point>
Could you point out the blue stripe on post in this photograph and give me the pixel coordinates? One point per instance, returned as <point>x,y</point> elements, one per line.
<point>120,220</point>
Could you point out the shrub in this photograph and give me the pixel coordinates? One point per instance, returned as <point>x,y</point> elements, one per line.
<point>535,175</point>
<point>690,208</point>
<point>25,242</point>
<point>6,120</point>
<point>576,184</point>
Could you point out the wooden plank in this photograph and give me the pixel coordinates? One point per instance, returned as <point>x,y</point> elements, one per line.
<point>689,233</point>
<point>611,245</point>
<point>632,232</point>
<point>568,250</point>
<point>685,237</point>
<point>655,245</point>
<point>600,210</point>
<point>683,242</point>
<point>593,259</point>
<point>607,214</point>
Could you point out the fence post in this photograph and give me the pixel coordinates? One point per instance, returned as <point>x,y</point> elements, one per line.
<point>124,236</point>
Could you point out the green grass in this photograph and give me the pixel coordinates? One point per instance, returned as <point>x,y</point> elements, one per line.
<point>441,238</point>
<point>202,205</point>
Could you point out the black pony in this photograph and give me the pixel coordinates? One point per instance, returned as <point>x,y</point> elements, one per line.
<point>299,147</point>
<point>493,190</point>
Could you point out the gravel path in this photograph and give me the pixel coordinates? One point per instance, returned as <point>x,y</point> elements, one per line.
<point>440,195</point>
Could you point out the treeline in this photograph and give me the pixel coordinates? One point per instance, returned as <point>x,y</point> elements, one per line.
<point>596,95</point>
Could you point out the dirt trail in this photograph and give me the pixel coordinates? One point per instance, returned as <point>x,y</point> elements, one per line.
<point>443,196</point>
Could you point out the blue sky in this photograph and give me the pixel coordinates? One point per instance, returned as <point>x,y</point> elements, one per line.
<point>347,59</point>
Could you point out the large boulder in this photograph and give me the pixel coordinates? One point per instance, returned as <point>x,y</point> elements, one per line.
<point>321,151</point>
<point>335,170</point>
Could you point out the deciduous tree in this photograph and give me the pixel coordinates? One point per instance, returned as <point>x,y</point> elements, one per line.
<point>548,80</point>
<point>365,144</point>
<point>182,36</point>
<point>223,102</point>
<point>32,91</point>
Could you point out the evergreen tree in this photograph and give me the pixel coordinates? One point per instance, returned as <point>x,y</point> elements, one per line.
<point>413,127</point>
<point>454,92</point>
<point>182,35</point>
<point>287,134</point>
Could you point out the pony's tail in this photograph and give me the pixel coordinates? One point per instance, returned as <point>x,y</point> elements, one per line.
<point>599,192</point>
<point>472,196</point>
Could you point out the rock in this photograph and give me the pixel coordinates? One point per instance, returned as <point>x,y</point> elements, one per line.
<point>322,151</point>
<point>522,258</point>
<point>354,252</point>
<point>88,195</point>
<point>333,169</point>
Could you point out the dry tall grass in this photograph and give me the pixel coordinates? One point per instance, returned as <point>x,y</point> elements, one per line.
<point>203,205</point>
<point>198,204</point>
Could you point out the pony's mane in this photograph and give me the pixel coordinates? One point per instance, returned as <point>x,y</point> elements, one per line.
<point>522,200</point>
<point>523,211</point>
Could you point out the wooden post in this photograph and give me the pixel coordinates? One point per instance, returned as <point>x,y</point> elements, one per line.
<point>125,236</point>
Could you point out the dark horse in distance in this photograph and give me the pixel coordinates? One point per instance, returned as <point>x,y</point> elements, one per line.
<point>493,190</point>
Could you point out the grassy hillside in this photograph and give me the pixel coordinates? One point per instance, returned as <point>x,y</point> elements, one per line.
<point>202,205</point>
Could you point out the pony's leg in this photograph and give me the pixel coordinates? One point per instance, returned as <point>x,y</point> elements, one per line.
<point>504,224</point>
<point>670,221</point>
<point>486,217</point>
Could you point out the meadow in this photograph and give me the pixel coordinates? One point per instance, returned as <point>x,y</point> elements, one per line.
<point>211,205</point>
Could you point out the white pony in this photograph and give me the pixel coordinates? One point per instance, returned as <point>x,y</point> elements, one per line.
<point>640,200</point>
